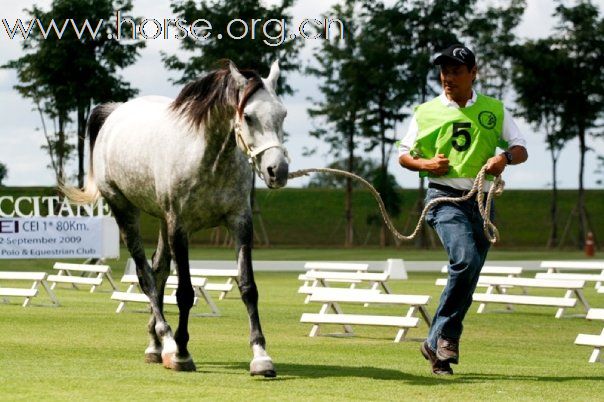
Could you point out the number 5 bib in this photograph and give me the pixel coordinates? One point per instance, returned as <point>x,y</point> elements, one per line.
<point>468,136</point>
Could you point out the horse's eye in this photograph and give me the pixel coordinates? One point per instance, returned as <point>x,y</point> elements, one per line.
<point>248,118</point>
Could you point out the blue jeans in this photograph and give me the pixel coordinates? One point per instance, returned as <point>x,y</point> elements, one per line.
<point>459,227</point>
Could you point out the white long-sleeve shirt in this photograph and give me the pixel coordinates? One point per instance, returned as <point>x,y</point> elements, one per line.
<point>511,134</point>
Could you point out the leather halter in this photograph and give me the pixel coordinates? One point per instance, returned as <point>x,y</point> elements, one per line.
<point>252,153</point>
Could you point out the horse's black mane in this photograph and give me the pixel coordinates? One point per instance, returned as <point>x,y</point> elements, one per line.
<point>214,92</point>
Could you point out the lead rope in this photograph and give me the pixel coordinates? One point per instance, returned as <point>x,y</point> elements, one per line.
<point>490,230</point>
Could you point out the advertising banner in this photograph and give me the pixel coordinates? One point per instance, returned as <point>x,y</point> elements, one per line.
<point>24,236</point>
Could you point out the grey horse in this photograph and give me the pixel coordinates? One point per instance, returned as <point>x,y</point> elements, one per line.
<point>189,162</point>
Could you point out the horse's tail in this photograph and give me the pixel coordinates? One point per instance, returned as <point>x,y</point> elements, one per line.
<point>90,193</point>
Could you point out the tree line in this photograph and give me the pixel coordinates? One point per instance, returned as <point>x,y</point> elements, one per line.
<point>369,79</point>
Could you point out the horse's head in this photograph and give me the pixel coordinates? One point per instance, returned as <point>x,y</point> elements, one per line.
<point>259,125</point>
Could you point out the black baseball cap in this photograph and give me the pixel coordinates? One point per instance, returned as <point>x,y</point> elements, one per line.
<point>457,54</point>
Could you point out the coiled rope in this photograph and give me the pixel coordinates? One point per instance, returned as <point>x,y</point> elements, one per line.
<point>490,230</point>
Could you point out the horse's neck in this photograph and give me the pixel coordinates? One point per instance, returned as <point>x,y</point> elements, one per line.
<point>221,153</point>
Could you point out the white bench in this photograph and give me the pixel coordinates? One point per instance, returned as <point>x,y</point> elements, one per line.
<point>375,279</point>
<point>597,278</point>
<point>134,293</point>
<point>318,266</point>
<point>493,270</point>
<point>335,266</point>
<point>203,269</point>
<point>331,297</point>
<point>35,278</point>
<point>231,276</point>
<point>199,287</point>
<point>494,283</point>
<point>97,274</point>
<point>559,266</point>
<point>311,281</point>
<point>511,272</point>
<point>596,341</point>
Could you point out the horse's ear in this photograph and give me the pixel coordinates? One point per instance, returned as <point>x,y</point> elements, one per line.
<point>273,76</point>
<point>237,76</point>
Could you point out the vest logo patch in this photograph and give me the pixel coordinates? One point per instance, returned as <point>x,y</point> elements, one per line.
<point>487,119</point>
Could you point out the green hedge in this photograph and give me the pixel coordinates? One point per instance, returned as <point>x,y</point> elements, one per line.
<point>300,217</point>
<point>315,216</point>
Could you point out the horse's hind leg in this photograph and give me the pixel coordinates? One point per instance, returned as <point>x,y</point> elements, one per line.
<point>127,218</point>
<point>161,270</point>
<point>179,249</point>
<point>242,228</point>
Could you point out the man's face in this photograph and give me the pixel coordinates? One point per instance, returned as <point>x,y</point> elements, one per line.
<point>457,80</point>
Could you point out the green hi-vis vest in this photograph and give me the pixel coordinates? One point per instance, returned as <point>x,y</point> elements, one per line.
<point>468,136</point>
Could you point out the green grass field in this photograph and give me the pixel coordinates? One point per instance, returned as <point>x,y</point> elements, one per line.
<point>84,351</point>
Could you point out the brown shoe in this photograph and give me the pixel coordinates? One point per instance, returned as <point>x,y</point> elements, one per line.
<point>438,367</point>
<point>447,350</point>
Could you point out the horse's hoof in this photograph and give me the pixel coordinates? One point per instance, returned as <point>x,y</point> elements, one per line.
<point>153,358</point>
<point>263,366</point>
<point>183,365</point>
<point>172,362</point>
<point>266,374</point>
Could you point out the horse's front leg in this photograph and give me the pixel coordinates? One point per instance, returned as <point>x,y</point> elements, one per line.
<point>242,229</point>
<point>179,250</point>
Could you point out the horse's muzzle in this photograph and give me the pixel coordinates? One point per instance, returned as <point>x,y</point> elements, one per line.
<point>276,175</point>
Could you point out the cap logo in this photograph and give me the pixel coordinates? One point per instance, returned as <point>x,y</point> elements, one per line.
<point>460,52</point>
